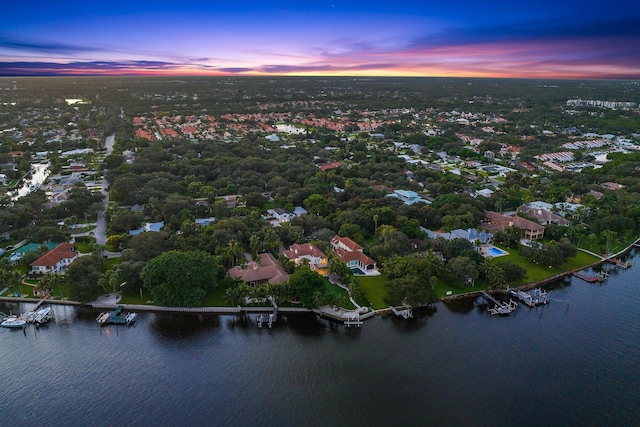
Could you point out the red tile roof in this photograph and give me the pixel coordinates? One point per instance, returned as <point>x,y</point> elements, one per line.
<point>350,244</point>
<point>55,255</point>
<point>328,166</point>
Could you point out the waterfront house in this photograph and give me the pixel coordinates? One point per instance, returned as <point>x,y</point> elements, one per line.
<point>56,260</point>
<point>495,222</point>
<point>351,254</point>
<point>318,261</point>
<point>268,270</point>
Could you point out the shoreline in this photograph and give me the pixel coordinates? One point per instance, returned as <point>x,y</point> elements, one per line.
<point>318,311</point>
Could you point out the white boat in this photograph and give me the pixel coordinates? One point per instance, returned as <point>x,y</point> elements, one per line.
<point>44,315</point>
<point>131,318</point>
<point>13,322</point>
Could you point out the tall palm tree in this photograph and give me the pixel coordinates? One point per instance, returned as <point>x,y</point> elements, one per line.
<point>234,251</point>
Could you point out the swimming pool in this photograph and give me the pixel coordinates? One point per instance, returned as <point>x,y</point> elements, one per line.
<point>493,251</point>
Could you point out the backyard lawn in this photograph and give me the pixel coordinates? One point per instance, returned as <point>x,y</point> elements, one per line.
<point>373,288</point>
<point>537,272</point>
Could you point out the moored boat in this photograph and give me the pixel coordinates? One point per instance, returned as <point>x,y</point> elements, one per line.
<point>44,315</point>
<point>131,318</point>
<point>13,322</point>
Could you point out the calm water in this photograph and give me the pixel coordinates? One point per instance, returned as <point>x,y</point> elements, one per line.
<point>573,362</point>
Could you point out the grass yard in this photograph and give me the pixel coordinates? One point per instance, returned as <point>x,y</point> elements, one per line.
<point>215,298</point>
<point>85,244</point>
<point>330,288</point>
<point>373,288</point>
<point>442,287</point>
<point>537,272</point>
<point>136,299</point>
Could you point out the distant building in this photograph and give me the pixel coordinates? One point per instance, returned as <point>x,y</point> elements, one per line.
<point>408,197</point>
<point>148,226</point>
<point>543,216</point>
<point>612,186</point>
<point>279,216</point>
<point>473,235</point>
<point>326,166</point>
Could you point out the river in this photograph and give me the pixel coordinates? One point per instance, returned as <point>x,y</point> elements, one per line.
<point>573,362</point>
<point>37,175</point>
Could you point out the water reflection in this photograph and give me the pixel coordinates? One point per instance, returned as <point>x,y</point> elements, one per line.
<point>464,306</point>
<point>38,174</point>
<point>180,326</point>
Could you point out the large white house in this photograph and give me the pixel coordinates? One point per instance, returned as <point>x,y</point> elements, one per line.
<point>56,260</point>
<point>318,261</point>
<point>351,254</point>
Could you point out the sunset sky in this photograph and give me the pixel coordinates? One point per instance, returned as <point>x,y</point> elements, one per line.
<point>465,38</point>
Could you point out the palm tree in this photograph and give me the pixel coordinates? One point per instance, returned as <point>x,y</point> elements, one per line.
<point>493,274</point>
<point>234,251</point>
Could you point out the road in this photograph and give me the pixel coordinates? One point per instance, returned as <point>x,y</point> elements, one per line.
<point>100,232</point>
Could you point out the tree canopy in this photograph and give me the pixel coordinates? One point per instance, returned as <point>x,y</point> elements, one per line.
<point>180,278</point>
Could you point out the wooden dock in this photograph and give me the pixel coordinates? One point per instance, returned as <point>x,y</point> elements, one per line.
<point>533,298</point>
<point>404,311</point>
<point>271,318</point>
<point>353,321</point>
<point>503,309</point>
<point>597,278</point>
<point>620,264</point>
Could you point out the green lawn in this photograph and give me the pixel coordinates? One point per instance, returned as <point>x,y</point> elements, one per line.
<point>373,288</point>
<point>537,272</point>
<point>443,286</point>
<point>215,298</point>
<point>85,244</point>
<point>330,288</point>
<point>136,299</point>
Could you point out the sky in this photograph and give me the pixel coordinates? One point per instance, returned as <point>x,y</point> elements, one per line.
<point>461,38</point>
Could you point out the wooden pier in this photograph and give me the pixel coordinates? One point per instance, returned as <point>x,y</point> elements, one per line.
<point>271,318</point>
<point>620,264</point>
<point>590,279</point>
<point>115,318</point>
<point>503,309</point>
<point>405,312</point>
<point>353,321</point>
<point>533,298</point>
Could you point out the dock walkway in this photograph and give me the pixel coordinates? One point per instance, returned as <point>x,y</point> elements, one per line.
<point>533,298</point>
<point>403,311</point>
<point>589,279</point>
<point>503,309</point>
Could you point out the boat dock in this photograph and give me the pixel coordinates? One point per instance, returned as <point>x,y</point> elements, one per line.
<point>353,321</point>
<point>598,277</point>
<point>533,298</point>
<point>403,311</point>
<point>271,318</point>
<point>116,318</point>
<point>620,264</point>
<point>503,309</point>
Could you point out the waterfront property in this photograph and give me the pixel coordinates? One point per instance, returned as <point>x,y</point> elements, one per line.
<point>56,260</point>
<point>318,261</point>
<point>268,270</point>
<point>351,254</point>
<point>489,250</point>
<point>495,222</point>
